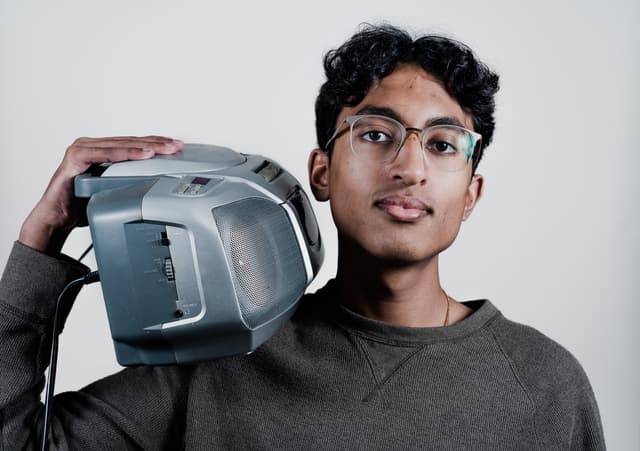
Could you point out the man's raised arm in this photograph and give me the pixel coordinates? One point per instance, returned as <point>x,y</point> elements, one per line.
<point>35,275</point>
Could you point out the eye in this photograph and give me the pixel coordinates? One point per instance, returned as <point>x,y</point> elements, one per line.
<point>445,140</point>
<point>441,147</point>
<point>376,136</point>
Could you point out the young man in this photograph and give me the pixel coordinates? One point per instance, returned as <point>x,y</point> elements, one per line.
<point>381,357</point>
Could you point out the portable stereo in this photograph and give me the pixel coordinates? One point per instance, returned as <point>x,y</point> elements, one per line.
<point>201,254</point>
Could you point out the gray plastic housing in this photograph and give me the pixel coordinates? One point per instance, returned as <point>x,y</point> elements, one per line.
<point>179,289</point>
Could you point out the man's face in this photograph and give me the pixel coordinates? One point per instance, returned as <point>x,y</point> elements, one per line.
<point>403,210</point>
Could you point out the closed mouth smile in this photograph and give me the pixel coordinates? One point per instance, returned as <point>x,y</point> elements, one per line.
<point>403,208</point>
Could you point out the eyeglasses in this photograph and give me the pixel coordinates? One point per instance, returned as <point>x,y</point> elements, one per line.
<point>380,138</point>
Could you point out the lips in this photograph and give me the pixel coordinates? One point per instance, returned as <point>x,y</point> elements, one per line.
<point>403,208</point>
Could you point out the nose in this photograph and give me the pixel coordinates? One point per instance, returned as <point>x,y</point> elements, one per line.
<point>409,166</point>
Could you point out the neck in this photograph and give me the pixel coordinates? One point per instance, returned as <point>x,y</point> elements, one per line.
<point>404,294</point>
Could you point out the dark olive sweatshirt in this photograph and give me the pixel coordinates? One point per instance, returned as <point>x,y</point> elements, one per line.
<point>329,379</point>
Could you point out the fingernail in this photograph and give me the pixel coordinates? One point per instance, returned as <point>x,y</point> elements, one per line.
<point>177,141</point>
<point>147,150</point>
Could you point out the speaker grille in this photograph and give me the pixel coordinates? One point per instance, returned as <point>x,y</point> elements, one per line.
<point>262,250</point>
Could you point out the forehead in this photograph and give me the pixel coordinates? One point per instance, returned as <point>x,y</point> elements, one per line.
<point>415,95</point>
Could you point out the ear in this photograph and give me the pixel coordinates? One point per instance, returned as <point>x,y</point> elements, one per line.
<point>474,193</point>
<point>319,174</point>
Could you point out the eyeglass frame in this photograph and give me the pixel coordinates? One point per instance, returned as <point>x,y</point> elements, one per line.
<point>477,137</point>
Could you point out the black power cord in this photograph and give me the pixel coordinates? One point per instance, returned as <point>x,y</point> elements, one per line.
<point>86,251</point>
<point>61,305</point>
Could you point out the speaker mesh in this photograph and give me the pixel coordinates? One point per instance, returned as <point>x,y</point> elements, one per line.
<point>262,249</point>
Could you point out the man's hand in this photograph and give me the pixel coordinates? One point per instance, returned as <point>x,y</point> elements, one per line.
<point>58,212</point>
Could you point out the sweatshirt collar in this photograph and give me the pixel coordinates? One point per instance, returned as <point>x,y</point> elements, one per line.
<point>483,313</point>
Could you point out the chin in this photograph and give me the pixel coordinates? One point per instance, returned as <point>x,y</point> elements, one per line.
<point>402,251</point>
<point>402,254</point>
<point>407,258</point>
<point>392,247</point>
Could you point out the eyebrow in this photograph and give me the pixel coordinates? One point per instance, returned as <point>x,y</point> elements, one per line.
<point>393,114</point>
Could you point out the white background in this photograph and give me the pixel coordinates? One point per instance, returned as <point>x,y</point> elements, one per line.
<point>554,243</point>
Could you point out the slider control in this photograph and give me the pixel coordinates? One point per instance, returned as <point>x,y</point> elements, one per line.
<point>168,269</point>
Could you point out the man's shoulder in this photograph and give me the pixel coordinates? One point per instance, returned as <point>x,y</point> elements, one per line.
<point>555,382</point>
<point>540,363</point>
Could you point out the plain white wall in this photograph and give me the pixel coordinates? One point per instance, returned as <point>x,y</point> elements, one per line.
<point>554,243</point>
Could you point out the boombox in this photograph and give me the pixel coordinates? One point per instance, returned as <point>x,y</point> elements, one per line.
<point>201,254</point>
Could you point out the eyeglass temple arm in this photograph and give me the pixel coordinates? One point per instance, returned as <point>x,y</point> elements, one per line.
<point>340,129</point>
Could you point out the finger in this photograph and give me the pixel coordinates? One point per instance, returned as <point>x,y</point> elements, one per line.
<point>171,146</point>
<point>132,141</point>
<point>158,144</point>
<point>95,141</point>
<point>78,158</point>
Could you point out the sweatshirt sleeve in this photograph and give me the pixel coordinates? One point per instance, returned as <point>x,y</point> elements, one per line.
<point>136,408</point>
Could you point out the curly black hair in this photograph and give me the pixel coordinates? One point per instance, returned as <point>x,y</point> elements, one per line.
<point>375,51</point>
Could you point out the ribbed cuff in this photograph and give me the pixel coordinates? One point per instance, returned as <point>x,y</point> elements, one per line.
<point>32,280</point>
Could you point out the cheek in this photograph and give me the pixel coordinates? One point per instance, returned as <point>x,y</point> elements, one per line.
<point>454,209</point>
<point>346,191</point>
<point>451,203</point>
